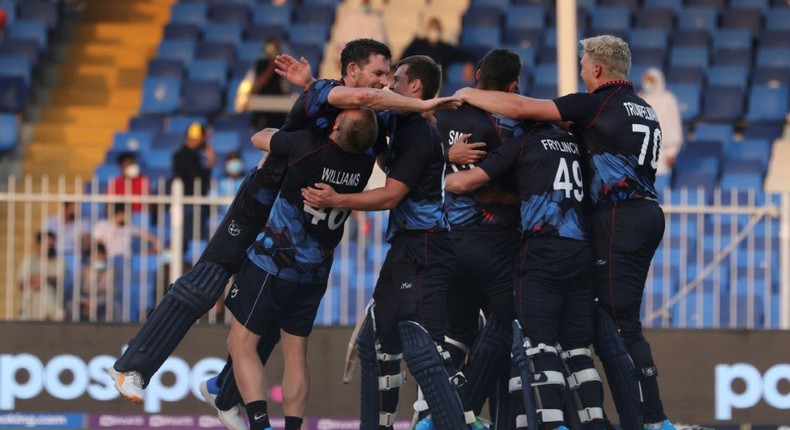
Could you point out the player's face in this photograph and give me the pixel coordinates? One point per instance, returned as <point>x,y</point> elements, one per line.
<point>400,82</point>
<point>374,73</point>
<point>587,73</point>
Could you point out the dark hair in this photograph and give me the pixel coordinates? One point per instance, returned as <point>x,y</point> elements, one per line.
<point>126,155</point>
<point>361,130</point>
<point>119,207</point>
<point>428,71</point>
<point>498,68</point>
<point>359,51</point>
<point>233,154</point>
<point>40,236</point>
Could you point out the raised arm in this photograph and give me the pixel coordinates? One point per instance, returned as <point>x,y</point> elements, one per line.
<point>372,98</point>
<point>296,72</point>
<point>510,105</point>
<point>383,198</point>
<point>262,139</point>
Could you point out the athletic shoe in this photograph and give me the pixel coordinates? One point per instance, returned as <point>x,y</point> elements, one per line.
<point>689,427</point>
<point>480,424</point>
<point>129,384</point>
<point>230,418</point>
<point>425,424</point>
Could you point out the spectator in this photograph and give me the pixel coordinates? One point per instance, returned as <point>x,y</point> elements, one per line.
<point>130,182</point>
<point>261,80</point>
<point>193,161</point>
<point>232,178</point>
<point>444,53</point>
<point>360,22</point>
<point>116,234</point>
<point>37,278</point>
<point>95,283</point>
<point>71,233</point>
<point>655,93</point>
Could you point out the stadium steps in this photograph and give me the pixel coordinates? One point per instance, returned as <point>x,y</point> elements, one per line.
<point>778,177</point>
<point>99,86</point>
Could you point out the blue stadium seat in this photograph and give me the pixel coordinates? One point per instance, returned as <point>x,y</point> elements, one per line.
<point>222,32</point>
<point>775,39</point>
<point>251,156</point>
<point>181,31</point>
<point>527,55</point>
<point>312,52</point>
<point>744,19</point>
<point>225,141</point>
<point>240,68</point>
<point>750,149</point>
<point>249,51</point>
<point>261,32</point>
<point>488,36</point>
<point>501,4</point>
<point>232,124</point>
<point>761,5</point>
<point>230,94</point>
<point>545,75</point>
<point>611,18</point>
<point>766,131</point>
<point>773,57</point>
<point>217,50</point>
<point>20,67</point>
<point>730,38</point>
<point>263,13</point>
<point>10,8</point>
<point>161,96</point>
<point>690,37</point>
<point>722,104</point>
<point>734,76</point>
<point>139,294</point>
<point>685,75</point>
<point>674,5</point>
<point>46,12</point>
<point>229,13</point>
<point>136,141</point>
<point>183,50</point>
<point>719,132</point>
<point>312,34</point>
<point>166,67</point>
<point>732,57</point>
<point>648,56</point>
<point>482,16</point>
<point>703,148</point>
<point>9,132</point>
<point>178,124</point>
<point>315,14</point>
<point>689,57</point>
<point>648,38</point>
<point>698,18</point>
<point>201,97</point>
<point>454,75</point>
<point>153,125</point>
<point>778,19</point>
<point>688,96</point>
<point>522,37</point>
<point>13,96</point>
<point>696,172</point>
<point>158,158</point>
<point>208,69</point>
<point>531,17</point>
<point>169,141</point>
<point>21,29</point>
<point>322,2</point>
<point>767,103</point>
<point>189,13</point>
<point>742,175</point>
<point>715,4</point>
<point>658,18</point>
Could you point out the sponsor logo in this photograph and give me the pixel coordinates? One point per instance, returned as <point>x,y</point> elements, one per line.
<point>68,377</point>
<point>600,262</point>
<point>48,420</point>
<point>234,229</point>
<point>765,387</point>
<point>405,286</point>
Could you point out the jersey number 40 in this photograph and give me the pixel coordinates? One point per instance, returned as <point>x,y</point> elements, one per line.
<point>334,219</point>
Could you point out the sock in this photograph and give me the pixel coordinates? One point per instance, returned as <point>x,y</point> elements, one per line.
<point>258,415</point>
<point>293,423</point>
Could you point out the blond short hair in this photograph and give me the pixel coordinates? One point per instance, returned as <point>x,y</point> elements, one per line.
<point>610,52</point>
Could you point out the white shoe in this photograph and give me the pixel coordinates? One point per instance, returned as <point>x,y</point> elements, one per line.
<point>230,418</point>
<point>129,384</point>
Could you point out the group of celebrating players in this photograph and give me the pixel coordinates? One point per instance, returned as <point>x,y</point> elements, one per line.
<point>540,215</point>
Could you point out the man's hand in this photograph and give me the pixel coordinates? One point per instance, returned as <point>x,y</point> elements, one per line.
<point>462,95</point>
<point>320,196</point>
<point>461,153</point>
<point>439,103</point>
<point>296,72</point>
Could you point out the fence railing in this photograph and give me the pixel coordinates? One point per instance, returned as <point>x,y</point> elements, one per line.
<point>723,262</point>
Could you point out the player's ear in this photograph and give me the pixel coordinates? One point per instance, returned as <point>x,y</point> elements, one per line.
<point>352,70</point>
<point>415,86</point>
<point>477,75</point>
<point>512,87</point>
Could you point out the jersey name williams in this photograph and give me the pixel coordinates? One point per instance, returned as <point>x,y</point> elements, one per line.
<point>333,176</point>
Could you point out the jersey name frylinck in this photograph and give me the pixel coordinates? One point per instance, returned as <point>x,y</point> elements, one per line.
<point>463,210</point>
<point>623,139</point>
<point>415,157</point>
<point>548,165</point>
<point>298,241</point>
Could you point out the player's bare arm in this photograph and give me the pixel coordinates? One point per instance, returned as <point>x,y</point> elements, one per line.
<point>510,105</point>
<point>373,98</point>
<point>466,181</point>
<point>383,198</point>
<point>263,139</point>
<point>296,72</point>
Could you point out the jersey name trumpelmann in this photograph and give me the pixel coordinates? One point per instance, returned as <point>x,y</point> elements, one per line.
<point>645,112</point>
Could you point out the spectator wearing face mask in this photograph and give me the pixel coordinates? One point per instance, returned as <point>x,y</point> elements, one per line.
<point>71,233</point>
<point>37,277</point>
<point>95,284</point>
<point>130,181</point>
<point>442,52</point>
<point>232,177</point>
<point>655,93</point>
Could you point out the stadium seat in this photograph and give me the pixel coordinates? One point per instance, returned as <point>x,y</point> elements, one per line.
<point>232,124</point>
<point>26,48</point>
<point>674,5</point>
<point>482,16</point>
<point>778,19</point>
<point>454,74</point>
<point>209,69</point>
<point>690,37</point>
<point>161,96</point>
<point>742,175</point>
<point>222,32</point>
<point>261,32</point>
<point>531,17</point>
<point>136,141</point>
<point>545,75</point>
<point>9,132</point>
<point>153,125</point>
<point>183,50</point>
<point>230,95</point>
<point>181,31</point>
<point>685,75</point>
<point>240,68</point>
<point>732,39</point>
<point>722,104</point>
<point>648,38</point>
<point>201,97</point>
<point>648,56</point>
<point>744,19</point>
<point>21,29</point>
<point>715,4</point>
<point>688,96</point>
<point>732,57</point>
<point>734,76</point>
<point>158,158</point>
<point>249,51</point>
<point>750,149</point>
<point>766,131</point>
<point>657,18</point>
<point>320,15</point>
<point>217,50</point>
<point>767,103</point>
<point>689,57</point>
<point>166,67</point>
<point>775,39</point>
<point>696,172</point>
<point>189,13</point>
<point>773,57</point>
<point>488,36</point>
<point>611,18</point>
<point>501,4</point>
<point>225,141</point>
<point>178,124</point>
<point>263,13</point>
<point>229,13</point>
<point>703,148</point>
<point>522,37</point>
<point>312,34</point>
<point>46,12</point>
<point>10,8</point>
<point>761,5</point>
<point>169,141</point>
<point>718,132</point>
<point>19,67</point>
<point>698,18</point>
<point>527,55</point>
<point>13,96</point>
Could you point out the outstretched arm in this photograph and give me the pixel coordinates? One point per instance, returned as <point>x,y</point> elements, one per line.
<point>510,105</point>
<point>262,140</point>
<point>372,98</point>
<point>466,181</point>
<point>383,198</point>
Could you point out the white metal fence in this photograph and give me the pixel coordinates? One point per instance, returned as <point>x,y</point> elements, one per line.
<point>723,262</point>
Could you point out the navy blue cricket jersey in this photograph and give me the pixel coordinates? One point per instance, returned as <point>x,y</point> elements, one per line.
<point>623,139</point>
<point>463,210</point>
<point>298,241</point>
<point>415,157</point>
<point>548,165</point>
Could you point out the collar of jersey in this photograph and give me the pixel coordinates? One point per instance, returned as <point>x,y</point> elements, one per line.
<point>606,85</point>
